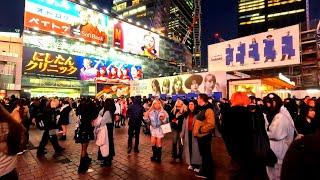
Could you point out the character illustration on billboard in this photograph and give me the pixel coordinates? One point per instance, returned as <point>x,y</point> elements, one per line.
<point>102,74</point>
<point>269,51</point>
<point>136,72</point>
<point>229,55</point>
<point>149,46</point>
<point>210,84</point>
<point>112,72</point>
<point>177,86</point>
<point>90,27</point>
<point>118,35</point>
<point>254,51</point>
<point>166,86</point>
<point>318,38</point>
<point>287,47</point>
<point>155,85</point>
<point>241,53</point>
<point>193,83</point>
<point>88,71</point>
<point>124,73</point>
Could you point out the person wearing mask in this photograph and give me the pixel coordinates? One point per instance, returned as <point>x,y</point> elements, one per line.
<point>135,115</point>
<point>157,117</point>
<point>11,140</point>
<point>280,132</point>
<point>238,130</point>
<point>190,143</point>
<point>302,159</point>
<point>50,117</point>
<point>87,112</point>
<point>305,124</point>
<point>106,119</point>
<point>64,120</point>
<point>203,129</point>
<point>176,119</point>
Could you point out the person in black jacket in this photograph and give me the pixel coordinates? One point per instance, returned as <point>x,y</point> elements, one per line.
<point>305,124</point>
<point>64,118</point>
<point>237,128</point>
<point>302,159</point>
<point>135,115</point>
<point>176,118</point>
<point>50,117</point>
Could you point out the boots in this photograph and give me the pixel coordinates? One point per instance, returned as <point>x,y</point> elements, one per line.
<point>158,154</point>
<point>154,153</point>
<point>84,164</point>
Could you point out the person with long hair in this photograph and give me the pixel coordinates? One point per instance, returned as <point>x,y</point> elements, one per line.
<point>157,116</point>
<point>64,119</point>
<point>177,116</point>
<point>155,85</point>
<point>50,117</point>
<point>280,132</point>
<point>107,120</point>
<point>11,139</point>
<point>86,112</point>
<point>177,86</point>
<point>305,123</point>
<point>190,143</point>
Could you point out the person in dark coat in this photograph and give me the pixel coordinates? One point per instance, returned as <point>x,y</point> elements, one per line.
<point>302,160</point>
<point>64,118</point>
<point>237,128</point>
<point>135,115</point>
<point>305,123</point>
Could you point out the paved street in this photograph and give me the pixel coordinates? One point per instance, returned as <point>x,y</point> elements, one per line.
<point>134,166</point>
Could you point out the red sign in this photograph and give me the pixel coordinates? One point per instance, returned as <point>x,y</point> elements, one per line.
<point>46,24</point>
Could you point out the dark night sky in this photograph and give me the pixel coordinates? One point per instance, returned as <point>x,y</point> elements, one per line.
<point>217,16</point>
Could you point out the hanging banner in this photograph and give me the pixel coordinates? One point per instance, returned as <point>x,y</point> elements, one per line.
<point>276,48</point>
<point>207,83</point>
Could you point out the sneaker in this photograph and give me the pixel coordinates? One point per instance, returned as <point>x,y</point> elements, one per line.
<point>20,153</point>
<point>190,168</point>
<point>201,175</point>
<point>197,170</point>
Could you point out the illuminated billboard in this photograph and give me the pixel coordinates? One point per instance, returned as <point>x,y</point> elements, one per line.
<point>66,18</point>
<point>280,47</point>
<point>113,69</point>
<point>208,83</point>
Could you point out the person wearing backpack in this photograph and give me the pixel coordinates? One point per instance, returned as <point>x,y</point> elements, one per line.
<point>11,139</point>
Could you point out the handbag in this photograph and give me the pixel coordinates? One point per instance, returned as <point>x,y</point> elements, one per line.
<point>166,128</point>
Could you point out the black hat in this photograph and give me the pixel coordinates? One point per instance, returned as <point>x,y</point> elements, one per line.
<point>195,77</point>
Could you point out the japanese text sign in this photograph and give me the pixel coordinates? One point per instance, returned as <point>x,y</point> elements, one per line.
<point>273,48</point>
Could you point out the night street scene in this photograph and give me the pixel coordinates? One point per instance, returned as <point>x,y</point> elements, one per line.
<point>160,89</point>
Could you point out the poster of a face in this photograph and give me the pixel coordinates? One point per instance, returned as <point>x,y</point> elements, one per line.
<point>140,41</point>
<point>183,84</point>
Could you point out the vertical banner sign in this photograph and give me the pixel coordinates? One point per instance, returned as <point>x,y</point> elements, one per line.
<point>270,49</point>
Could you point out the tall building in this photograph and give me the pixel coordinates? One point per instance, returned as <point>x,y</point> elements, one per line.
<point>256,16</point>
<point>171,17</point>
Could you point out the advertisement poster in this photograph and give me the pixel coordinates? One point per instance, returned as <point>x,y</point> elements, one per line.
<point>66,18</point>
<point>183,84</point>
<point>318,38</point>
<point>138,41</point>
<point>265,50</point>
<point>54,64</point>
<point>112,90</point>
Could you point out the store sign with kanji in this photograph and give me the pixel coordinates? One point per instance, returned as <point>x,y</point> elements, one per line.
<point>46,63</point>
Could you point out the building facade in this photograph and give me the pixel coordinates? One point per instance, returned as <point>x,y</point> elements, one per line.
<point>255,16</point>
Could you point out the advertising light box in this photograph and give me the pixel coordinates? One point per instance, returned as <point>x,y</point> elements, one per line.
<point>47,63</point>
<point>265,50</point>
<point>66,18</point>
<point>208,83</point>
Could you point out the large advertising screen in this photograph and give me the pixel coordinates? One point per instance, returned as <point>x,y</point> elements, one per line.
<point>208,83</point>
<point>112,90</point>
<point>113,69</point>
<point>66,18</point>
<point>275,48</point>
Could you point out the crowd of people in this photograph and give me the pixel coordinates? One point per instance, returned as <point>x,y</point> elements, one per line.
<point>267,138</point>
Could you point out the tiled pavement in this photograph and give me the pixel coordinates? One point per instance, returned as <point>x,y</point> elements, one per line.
<point>134,166</point>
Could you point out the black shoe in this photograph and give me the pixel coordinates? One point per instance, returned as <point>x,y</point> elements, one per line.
<point>136,150</point>
<point>63,138</point>
<point>129,150</point>
<point>83,166</point>
<point>154,153</point>
<point>60,150</point>
<point>105,164</point>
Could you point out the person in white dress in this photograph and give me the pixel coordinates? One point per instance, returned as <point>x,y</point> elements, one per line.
<point>280,132</point>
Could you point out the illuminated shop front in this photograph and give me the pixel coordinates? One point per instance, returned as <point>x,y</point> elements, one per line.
<point>261,87</point>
